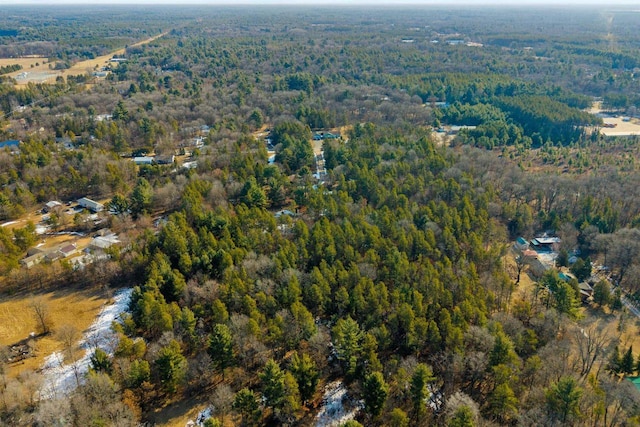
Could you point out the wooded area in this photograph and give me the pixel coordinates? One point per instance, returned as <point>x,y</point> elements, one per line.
<point>295,208</point>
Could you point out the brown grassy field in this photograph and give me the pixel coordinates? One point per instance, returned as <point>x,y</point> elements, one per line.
<point>67,307</point>
<point>25,62</point>
<point>42,72</point>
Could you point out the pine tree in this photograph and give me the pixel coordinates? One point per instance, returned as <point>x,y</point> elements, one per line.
<point>246,403</point>
<point>304,371</point>
<point>615,361</point>
<point>627,364</point>
<point>374,391</point>
<point>563,399</point>
<point>273,385</point>
<point>421,378</point>
<point>221,347</point>
<point>172,366</point>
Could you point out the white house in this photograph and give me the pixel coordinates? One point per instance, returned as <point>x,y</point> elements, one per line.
<point>90,204</point>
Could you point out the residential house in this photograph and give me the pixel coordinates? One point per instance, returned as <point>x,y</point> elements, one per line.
<point>34,256</point>
<point>68,250</point>
<point>100,243</point>
<point>51,205</point>
<point>545,244</point>
<point>90,204</point>
<point>586,292</point>
<point>165,160</point>
<point>143,160</point>
<point>456,129</point>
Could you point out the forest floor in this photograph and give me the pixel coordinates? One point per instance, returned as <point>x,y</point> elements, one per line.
<point>43,74</point>
<point>75,307</point>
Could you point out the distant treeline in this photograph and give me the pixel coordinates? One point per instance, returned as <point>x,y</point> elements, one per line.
<point>10,68</point>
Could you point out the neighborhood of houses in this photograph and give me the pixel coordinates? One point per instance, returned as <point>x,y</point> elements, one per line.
<point>79,249</point>
<point>540,254</point>
<point>75,247</point>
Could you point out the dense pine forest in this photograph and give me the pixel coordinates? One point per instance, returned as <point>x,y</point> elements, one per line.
<point>340,204</point>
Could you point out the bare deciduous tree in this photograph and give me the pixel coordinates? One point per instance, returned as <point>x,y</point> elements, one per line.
<point>42,314</point>
<point>591,342</point>
<point>68,335</point>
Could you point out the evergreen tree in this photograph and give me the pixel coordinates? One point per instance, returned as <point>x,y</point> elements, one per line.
<point>304,371</point>
<point>171,366</point>
<point>221,347</point>
<point>246,403</point>
<point>503,403</point>
<point>347,338</point>
<point>615,361</point>
<point>141,198</point>
<point>421,378</point>
<point>100,361</point>
<point>627,364</point>
<point>563,400</point>
<point>273,384</point>
<point>602,293</point>
<point>374,393</point>
<point>398,418</point>
<point>462,417</point>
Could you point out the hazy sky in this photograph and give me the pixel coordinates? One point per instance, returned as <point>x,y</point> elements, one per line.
<point>343,2</point>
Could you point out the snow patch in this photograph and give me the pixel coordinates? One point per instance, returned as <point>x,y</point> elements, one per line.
<point>8,223</point>
<point>203,416</point>
<point>59,378</point>
<point>337,406</point>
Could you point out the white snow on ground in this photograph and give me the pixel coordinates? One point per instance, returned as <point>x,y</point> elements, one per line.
<point>203,416</point>
<point>337,406</point>
<point>41,229</point>
<point>60,379</point>
<point>8,223</point>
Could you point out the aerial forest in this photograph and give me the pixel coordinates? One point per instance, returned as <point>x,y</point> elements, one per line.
<point>340,205</point>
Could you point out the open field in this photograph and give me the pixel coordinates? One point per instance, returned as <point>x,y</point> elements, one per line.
<point>42,73</point>
<point>622,128</point>
<point>67,307</point>
<point>26,62</point>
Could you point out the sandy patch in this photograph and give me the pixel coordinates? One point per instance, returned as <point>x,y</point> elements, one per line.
<point>622,127</point>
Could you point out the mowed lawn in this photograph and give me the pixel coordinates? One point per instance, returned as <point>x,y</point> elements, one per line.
<point>66,307</point>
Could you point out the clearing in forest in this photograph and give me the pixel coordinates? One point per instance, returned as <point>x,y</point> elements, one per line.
<point>64,306</point>
<point>43,74</point>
